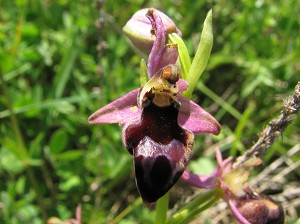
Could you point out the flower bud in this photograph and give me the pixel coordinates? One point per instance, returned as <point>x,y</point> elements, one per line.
<point>138,29</point>
<point>261,210</point>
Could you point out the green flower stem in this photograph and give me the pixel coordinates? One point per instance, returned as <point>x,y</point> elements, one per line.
<point>162,207</point>
<point>202,202</point>
<point>202,55</point>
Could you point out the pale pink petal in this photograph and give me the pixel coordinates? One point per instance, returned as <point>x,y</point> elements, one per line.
<point>219,157</point>
<point>122,110</point>
<point>182,85</point>
<point>200,181</point>
<point>194,118</point>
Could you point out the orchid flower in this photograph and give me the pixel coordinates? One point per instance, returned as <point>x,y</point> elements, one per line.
<point>158,122</point>
<point>247,206</point>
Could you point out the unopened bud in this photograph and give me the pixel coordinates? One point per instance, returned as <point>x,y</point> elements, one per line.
<point>261,210</point>
<point>138,29</point>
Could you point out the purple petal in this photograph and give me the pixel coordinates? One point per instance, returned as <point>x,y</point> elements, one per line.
<point>200,181</point>
<point>159,43</point>
<point>122,110</point>
<point>161,54</point>
<point>169,56</point>
<point>192,117</point>
<point>224,166</point>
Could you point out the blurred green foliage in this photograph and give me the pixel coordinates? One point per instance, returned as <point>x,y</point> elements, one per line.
<point>61,60</point>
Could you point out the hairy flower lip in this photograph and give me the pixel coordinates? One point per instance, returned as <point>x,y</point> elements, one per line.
<point>155,176</point>
<point>159,123</point>
<point>161,150</point>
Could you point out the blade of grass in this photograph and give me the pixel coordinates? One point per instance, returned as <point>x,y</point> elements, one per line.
<point>230,100</point>
<point>126,211</point>
<point>48,104</point>
<point>224,104</point>
<point>189,212</point>
<point>65,68</point>
<point>238,132</point>
<point>18,71</point>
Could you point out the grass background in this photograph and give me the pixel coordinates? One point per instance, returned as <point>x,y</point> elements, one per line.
<point>61,60</point>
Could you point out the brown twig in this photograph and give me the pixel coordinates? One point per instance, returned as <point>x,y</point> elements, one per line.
<point>274,129</point>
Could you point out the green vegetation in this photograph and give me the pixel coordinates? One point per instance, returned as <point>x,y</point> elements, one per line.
<point>61,60</point>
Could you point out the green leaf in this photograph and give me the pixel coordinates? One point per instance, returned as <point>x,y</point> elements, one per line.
<point>68,184</point>
<point>70,155</point>
<point>202,55</point>
<point>189,212</point>
<point>35,147</point>
<point>35,162</point>
<point>58,141</point>
<point>10,162</point>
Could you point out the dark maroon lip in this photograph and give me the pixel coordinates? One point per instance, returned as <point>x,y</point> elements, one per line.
<point>161,149</point>
<point>159,123</point>
<point>157,179</point>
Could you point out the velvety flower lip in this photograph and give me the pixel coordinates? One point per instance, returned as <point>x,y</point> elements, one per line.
<point>161,150</point>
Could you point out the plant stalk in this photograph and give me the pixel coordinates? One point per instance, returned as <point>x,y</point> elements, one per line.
<point>162,207</point>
